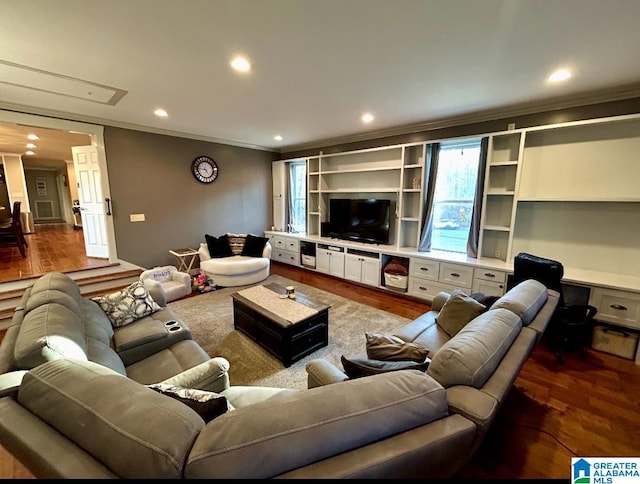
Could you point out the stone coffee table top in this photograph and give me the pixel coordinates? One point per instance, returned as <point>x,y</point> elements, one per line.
<point>290,311</point>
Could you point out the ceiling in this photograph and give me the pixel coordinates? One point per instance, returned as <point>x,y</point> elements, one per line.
<point>53,148</point>
<point>317,65</point>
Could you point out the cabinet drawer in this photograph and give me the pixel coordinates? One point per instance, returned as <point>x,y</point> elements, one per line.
<point>617,307</point>
<point>292,245</point>
<point>278,242</point>
<point>456,275</point>
<point>488,288</point>
<point>285,256</point>
<point>427,289</point>
<point>424,269</point>
<point>489,275</point>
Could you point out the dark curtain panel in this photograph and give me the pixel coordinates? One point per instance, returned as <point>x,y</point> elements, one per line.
<point>474,229</point>
<point>288,203</point>
<point>433,153</point>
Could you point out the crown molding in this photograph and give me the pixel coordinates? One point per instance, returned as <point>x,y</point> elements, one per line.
<point>117,124</point>
<point>522,109</point>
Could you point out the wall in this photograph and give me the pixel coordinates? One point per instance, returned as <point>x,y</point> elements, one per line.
<point>52,193</point>
<point>150,174</point>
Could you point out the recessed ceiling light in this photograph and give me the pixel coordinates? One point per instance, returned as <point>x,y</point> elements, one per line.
<point>29,152</point>
<point>161,113</point>
<point>30,145</point>
<point>33,137</point>
<point>367,117</point>
<point>559,75</point>
<point>277,137</point>
<point>241,64</point>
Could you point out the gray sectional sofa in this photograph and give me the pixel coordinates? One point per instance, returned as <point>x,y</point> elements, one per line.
<point>478,365</point>
<point>90,416</point>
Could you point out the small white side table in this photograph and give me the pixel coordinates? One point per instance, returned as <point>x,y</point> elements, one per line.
<point>185,258</point>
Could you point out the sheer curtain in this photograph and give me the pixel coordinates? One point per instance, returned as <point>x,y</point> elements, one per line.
<point>433,153</point>
<point>474,229</point>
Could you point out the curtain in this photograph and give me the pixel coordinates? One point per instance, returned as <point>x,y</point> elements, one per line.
<point>288,203</point>
<point>474,229</point>
<point>433,153</point>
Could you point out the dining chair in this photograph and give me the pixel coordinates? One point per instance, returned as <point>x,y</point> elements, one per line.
<point>11,232</point>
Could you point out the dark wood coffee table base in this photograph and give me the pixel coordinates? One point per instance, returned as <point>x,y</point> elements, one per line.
<point>288,342</point>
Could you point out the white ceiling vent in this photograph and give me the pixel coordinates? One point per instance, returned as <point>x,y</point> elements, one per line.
<point>39,80</point>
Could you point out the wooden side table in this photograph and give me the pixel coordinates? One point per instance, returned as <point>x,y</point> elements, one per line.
<point>185,258</point>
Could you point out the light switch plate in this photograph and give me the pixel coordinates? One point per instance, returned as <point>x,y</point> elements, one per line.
<point>136,217</point>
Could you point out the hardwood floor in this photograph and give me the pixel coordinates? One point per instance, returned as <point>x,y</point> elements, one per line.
<point>586,408</point>
<point>52,247</point>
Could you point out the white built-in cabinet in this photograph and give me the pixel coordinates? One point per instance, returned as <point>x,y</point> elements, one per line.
<point>362,267</point>
<point>330,260</point>
<point>579,196</point>
<point>279,197</point>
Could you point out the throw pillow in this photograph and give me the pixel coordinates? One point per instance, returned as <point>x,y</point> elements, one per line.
<point>236,242</point>
<point>208,405</point>
<point>218,246</point>
<point>457,312</point>
<point>254,245</point>
<point>396,267</point>
<point>392,348</point>
<point>127,305</point>
<point>359,367</point>
<point>484,299</point>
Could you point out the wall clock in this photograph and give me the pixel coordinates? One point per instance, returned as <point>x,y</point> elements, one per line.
<point>204,169</point>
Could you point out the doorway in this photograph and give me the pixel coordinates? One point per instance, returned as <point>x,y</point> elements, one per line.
<point>94,133</point>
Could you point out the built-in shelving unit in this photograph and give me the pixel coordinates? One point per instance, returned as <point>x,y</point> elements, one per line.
<point>568,192</point>
<point>498,208</point>
<point>313,195</point>
<point>411,195</point>
<point>394,173</point>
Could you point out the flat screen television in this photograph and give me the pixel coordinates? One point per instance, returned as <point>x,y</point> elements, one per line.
<point>361,220</point>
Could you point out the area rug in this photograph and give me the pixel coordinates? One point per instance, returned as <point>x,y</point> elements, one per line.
<point>210,318</point>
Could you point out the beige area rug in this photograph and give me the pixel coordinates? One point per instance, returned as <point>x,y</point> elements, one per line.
<point>210,319</point>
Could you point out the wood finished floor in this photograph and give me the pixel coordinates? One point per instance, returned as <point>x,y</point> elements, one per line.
<point>585,408</point>
<point>52,247</point>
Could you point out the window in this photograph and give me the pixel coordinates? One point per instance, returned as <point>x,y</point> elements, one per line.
<point>298,198</point>
<point>454,194</point>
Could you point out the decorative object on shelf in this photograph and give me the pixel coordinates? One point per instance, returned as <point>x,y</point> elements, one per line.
<point>205,169</point>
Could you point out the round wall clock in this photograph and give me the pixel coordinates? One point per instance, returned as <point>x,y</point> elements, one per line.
<point>204,169</point>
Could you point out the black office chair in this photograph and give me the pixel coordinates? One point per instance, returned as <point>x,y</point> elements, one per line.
<point>571,326</point>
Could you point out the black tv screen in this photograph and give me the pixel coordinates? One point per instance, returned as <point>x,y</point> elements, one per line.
<point>362,220</point>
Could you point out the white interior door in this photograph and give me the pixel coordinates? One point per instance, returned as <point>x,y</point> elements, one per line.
<point>92,209</point>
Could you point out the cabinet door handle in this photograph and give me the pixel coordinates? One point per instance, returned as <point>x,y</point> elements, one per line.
<point>426,269</point>
<point>488,274</point>
<point>455,274</point>
<point>619,307</point>
<point>422,288</point>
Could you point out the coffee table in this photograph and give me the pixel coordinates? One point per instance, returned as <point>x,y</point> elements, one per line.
<point>289,329</point>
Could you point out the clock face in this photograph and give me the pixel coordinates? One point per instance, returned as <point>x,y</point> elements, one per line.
<point>204,169</point>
